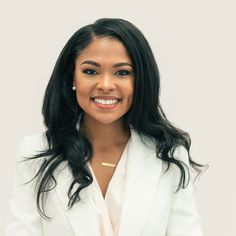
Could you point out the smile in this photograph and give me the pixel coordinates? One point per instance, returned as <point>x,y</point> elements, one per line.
<point>105,102</point>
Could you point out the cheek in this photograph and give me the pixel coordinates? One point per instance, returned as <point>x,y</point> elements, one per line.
<point>82,92</point>
<point>130,90</point>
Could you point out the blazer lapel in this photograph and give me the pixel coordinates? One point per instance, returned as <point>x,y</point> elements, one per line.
<point>143,172</point>
<point>81,216</point>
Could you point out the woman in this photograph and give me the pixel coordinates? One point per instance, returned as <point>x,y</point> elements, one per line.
<point>109,163</point>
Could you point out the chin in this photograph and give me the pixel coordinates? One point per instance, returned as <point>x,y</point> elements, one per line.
<point>105,119</point>
<point>108,121</point>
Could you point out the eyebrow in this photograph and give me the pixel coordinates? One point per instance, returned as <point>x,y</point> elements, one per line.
<point>115,65</point>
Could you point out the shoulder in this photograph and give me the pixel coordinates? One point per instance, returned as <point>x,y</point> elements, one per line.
<point>30,146</point>
<point>180,153</point>
<point>32,143</point>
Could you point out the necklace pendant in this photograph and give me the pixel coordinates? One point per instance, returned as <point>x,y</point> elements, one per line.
<point>108,164</point>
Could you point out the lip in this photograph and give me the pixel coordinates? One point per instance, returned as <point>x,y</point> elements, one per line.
<point>106,97</point>
<point>106,106</point>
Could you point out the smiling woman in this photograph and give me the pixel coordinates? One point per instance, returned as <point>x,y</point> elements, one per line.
<point>104,81</point>
<point>110,162</point>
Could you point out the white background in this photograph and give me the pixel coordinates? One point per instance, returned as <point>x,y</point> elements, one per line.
<point>194,45</point>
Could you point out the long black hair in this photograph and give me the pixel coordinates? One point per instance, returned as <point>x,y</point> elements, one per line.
<point>61,110</point>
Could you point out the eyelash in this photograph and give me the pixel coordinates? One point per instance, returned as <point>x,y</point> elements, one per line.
<point>86,70</point>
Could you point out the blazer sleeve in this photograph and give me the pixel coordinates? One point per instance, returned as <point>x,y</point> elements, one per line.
<point>23,217</point>
<point>184,219</point>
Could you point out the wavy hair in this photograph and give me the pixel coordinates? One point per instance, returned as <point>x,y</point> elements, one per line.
<point>61,111</point>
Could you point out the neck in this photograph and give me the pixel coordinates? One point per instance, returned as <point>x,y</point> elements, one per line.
<point>104,135</point>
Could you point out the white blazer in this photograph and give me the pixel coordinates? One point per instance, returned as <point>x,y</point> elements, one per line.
<point>151,206</point>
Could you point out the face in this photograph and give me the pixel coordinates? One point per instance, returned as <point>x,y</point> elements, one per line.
<point>104,80</point>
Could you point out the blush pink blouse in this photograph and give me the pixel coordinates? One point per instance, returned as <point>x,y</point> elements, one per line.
<point>109,209</point>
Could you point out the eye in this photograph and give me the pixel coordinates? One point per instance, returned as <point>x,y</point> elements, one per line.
<point>90,72</point>
<point>122,72</point>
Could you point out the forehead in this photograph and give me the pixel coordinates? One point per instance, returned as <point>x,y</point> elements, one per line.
<point>105,49</point>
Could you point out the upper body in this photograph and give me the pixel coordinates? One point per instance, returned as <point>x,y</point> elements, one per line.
<point>150,204</point>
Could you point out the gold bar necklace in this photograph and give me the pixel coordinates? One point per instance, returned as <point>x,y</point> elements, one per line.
<point>108,164</point>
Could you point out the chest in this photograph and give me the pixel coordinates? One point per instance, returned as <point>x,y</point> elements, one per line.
<point>104,173</point>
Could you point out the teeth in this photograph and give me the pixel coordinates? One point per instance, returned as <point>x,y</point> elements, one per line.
<point>105,102</point>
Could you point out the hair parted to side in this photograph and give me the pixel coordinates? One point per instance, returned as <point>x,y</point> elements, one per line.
<point>61,111</point>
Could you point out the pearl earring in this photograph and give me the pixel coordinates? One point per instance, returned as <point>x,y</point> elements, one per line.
<point>73,88</point>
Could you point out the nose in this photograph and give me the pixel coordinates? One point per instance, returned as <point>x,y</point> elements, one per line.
<point>106,83</point>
